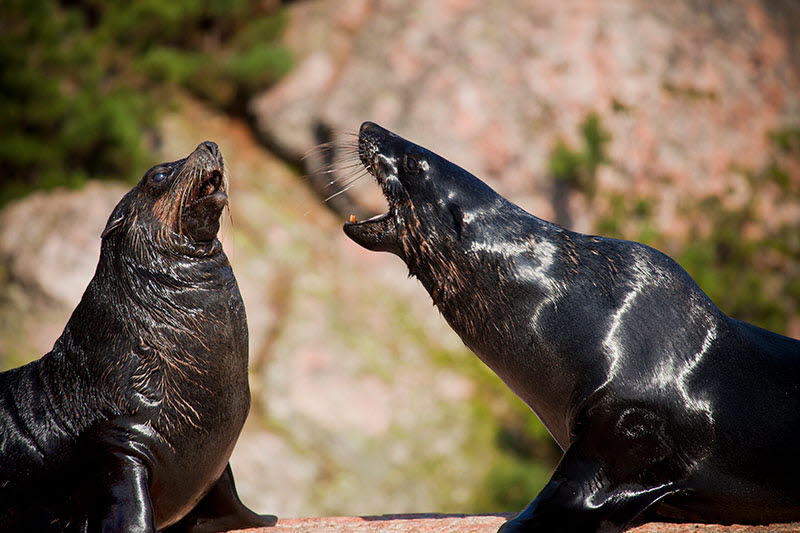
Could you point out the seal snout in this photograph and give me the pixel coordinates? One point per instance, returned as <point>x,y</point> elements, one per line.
<point>379,233</point>
<point>368,146</point>
<point>206,154</point>
<point>206,168</point>
<point>205,194</point>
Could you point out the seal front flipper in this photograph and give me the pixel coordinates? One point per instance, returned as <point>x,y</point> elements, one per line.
<point>582,498</point>
<point>125,503</point>
<point>622,460</point>
<point>221,510</point>
<point>117,454</point>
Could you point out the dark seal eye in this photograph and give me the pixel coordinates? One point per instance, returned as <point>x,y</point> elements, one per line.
<point>411,164</point>
<point>158,177</point>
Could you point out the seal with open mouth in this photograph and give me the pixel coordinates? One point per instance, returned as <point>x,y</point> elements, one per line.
<point>129,422</point>
<point>660,401</point>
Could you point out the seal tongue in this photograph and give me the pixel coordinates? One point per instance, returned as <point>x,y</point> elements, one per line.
<point>378,234</point>
<point>205,188</point>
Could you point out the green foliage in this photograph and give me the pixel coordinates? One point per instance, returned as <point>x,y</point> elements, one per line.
<point>595,139</point>
<point>524,454</point>
<point>749,275</point>
<point>786,139</point>
<point>748,278</point>
<point>565,163</point>
<point>579,167</point>
<point>511,485</point>
<point>83,82</point>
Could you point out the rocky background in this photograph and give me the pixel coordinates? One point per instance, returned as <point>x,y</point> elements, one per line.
<point>677,124</point>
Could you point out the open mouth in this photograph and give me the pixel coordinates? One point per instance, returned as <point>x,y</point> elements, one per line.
<point>206,187</point>
<point>367,159</point>
<point>377,219</point>
<point>203,205</point>
<point>378,233</point>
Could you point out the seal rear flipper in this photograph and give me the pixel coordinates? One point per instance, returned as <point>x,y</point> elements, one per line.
<point>221,510</point>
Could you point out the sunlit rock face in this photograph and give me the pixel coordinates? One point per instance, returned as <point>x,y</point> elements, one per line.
<point>691,94</point>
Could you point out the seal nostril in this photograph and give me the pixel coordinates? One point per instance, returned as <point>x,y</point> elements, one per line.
<point>212,148</point>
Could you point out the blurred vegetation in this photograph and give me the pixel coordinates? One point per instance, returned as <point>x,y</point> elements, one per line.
<point>748,267</point>
<point>786,139</point>
<point>523,454</point>
<point>83,82</point>
<point>579,167</point>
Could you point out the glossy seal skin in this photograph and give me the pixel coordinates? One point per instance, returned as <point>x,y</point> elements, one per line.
<point>664,406</point>
<point>128,423</point>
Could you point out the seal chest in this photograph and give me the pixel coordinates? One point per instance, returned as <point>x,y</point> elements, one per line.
<point>656,396</point>
<point>137,408</point>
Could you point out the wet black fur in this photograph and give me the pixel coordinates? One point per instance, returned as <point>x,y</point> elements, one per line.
<point>660,401</point>
<point>128,423</point>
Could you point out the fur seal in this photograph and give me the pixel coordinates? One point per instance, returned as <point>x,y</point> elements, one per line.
<point>660,401</point>
<point>129,422</point>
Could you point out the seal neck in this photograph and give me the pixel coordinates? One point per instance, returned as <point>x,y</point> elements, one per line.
<point>494,291</point>
<point>160,325</point>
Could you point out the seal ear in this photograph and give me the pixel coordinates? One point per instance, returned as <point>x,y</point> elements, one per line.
<point>458,219</point>
<point>114,221</point>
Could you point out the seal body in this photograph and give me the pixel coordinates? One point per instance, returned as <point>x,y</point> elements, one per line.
<point>663,405</point>
<point>129,422</point>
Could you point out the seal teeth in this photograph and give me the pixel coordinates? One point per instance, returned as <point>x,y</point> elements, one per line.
<point>211,184</point>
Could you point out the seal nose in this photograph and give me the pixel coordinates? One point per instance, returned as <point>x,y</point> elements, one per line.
<point>212,148</point>
<point>370,129</point>
<point>366,126</point>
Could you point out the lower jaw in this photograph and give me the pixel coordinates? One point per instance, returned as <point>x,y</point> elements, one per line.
<point>200,220</point>
<point>377,234</point>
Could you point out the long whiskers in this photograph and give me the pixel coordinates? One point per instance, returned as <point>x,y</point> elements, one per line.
<point>340,164</point>
<point>349,183</point>
<point>226,179</point>
<point>191,181</point>
<point>334,168</point>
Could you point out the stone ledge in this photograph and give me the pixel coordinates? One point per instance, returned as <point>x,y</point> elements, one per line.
<point>448,523</point>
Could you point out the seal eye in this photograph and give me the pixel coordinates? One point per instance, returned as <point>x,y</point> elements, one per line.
<point>411,164</point>
<point>158,177</point>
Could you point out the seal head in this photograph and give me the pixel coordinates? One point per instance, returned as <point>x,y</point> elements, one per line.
<point>423,190</point>
<point>180,202</point>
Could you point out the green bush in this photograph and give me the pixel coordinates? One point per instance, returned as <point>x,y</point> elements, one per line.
<point>82,83</point>
<point>578,168</point>
<point>749,278</point>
